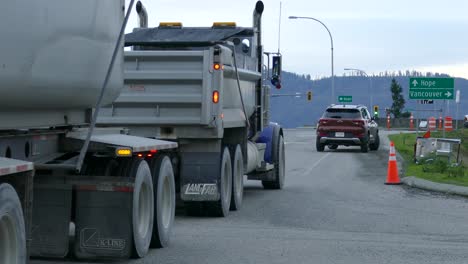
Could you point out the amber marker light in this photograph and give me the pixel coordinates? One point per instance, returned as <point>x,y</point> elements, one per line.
<point>215,97</point>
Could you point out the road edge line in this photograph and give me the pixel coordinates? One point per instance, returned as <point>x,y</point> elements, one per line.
<point>416,182</point>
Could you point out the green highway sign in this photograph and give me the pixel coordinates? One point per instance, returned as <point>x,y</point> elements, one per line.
<point>345,99</point>
<point>431,88</point>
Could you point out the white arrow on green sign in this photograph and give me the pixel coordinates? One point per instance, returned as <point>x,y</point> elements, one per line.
<point>431,88</point>
<point>345,99</point>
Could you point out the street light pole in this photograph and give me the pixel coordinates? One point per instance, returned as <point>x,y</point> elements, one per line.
<point>333,99</point>
<point>370,81</point>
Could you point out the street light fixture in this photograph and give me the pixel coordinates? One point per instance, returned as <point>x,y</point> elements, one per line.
<point>370,81</point>
<point>331,41</point>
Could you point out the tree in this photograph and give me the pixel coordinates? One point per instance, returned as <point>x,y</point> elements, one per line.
<point>398,100</point>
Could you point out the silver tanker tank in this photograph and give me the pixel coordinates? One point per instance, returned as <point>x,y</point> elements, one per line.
<point>54,55</point>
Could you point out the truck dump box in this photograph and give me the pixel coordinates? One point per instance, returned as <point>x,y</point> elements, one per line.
<point>163,87</point>
<point>171,82</point>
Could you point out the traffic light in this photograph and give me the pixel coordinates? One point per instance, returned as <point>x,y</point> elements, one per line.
<point>376,110</point>
<point>309,96</point>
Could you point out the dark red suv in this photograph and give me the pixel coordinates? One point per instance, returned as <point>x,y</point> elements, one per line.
<point>348,125</point>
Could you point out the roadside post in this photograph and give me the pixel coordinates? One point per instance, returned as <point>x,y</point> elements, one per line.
<point>444,113</point>
<point>440,122</point>
<point>457,101</point>
<point>388,121</point>
<point>411,122</point>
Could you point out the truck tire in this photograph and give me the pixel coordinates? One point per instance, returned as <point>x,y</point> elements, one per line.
<point>12,227</point>
<point>237,179</point>
<point>279,162</point>
<point>221,208</point>
<point>376,144</point>
<point>143,207</point>
<point>164,201</point>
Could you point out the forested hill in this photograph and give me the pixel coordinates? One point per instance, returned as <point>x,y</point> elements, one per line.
<point>294,112</point>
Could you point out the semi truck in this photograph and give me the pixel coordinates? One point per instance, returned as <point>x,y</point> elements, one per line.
<point>95,141</point>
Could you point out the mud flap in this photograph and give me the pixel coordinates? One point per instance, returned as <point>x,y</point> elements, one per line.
<point>103,222</point>
<point>51,220</point>
<point>199,179</point>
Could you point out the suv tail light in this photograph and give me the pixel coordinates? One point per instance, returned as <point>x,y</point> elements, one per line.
<point>358,122</point>
<point>323,121</point>
<point>322,134</point>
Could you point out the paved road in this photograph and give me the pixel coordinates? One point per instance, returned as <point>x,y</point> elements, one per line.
<point>334,209</point>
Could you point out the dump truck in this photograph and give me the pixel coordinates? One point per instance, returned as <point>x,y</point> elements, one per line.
<point>206,89</point>
<point>96,141</point>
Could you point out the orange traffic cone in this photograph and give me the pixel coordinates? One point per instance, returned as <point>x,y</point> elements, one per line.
<point>392,172</point>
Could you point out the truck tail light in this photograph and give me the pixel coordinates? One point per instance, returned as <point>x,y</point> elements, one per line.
<point>215,97</point>
<point>217,66</point>
<point>151,153</point>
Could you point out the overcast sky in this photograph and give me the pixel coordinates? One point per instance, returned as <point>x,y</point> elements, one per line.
<point>372,35</point>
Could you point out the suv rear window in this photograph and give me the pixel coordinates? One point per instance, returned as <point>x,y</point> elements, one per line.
<point>342,113</point>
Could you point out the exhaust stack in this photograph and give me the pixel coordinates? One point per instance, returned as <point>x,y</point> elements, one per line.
<point>142,15</point>
<point>257,20</point>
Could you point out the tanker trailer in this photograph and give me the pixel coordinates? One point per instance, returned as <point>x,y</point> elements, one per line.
<point>59,62</point>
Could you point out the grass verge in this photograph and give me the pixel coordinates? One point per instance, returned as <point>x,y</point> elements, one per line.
<point>439,171</point>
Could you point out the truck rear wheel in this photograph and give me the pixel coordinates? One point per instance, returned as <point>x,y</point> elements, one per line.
<point>279,162</point>
<point>237,179</point>
<point>164,205</point>
<point>221,208</point>
<point>12,228</point>
<point>143,207</point>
